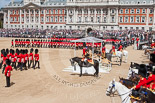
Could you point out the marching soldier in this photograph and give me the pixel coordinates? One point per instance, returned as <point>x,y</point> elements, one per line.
<point>12,43</point>
<point>36,56</point>
<point>4,61</point>
<point>8,70</point>
<point>31,58</point>
<point>120,48</point>
<point>2,55</point>
<point>13,59</point>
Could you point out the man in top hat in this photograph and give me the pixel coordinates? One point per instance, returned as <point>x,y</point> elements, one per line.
<point>36,56</point>
<point>8,70</point>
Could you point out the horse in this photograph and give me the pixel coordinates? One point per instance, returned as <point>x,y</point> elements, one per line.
<point>128,83</point>
<point>81,63</point>
<point>123,91</point>
<point>118,54</point>
<point>125,53</point>
<point>146,95</point>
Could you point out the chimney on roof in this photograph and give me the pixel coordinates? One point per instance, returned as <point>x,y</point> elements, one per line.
<point>12,1</point>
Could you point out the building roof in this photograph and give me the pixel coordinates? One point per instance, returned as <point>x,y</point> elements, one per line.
<point>141,2</point>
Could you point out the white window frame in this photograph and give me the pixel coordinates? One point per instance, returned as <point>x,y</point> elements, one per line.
<point>142,19</point>
<point>52,19</point>
<point>121,19</point>
<point>126,20</point>
<point>130,19</point>
<point>121,11</point>
<point>132,11</point>
<point>137,11</point>
<point>127,11</point>
<point>143,11</point>
<point>150,20</point>
<point>137,19</point>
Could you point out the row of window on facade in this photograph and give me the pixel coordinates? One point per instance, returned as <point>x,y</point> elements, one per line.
<point>138,2</point>
<point>132,11</point>
<point>92,11</point>
<point>48,19</point>
<point>42,27</point>
<point>92,19</point>
<point>137,19</point>
<point>52,11</point>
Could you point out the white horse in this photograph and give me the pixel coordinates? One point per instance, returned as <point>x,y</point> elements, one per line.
<point>123,91</point>
<point>118,54</point>
<point>125,53</point>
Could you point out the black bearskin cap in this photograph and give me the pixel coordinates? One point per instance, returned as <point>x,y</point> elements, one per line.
<point>7,51</point>
<point>8,62</point>
<point>5,54</point>
<point>31,50</point>
<point>36,51</point>
<point>26,51</point>
<point>13,52</point>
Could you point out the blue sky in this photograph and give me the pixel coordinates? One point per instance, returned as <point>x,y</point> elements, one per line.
<point>5,2</point>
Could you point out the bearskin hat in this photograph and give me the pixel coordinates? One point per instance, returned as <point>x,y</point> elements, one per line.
<point>10,50</point>
<point>7,51</point>
<point>23,51</point>
<point>26,51</point>
<point>36,51</point>
<point>17,51</point>
<point>31,50</point>
<point>2,51</point>
<point>5,54</point>
<point>8,61</point>
<point>13,52</point>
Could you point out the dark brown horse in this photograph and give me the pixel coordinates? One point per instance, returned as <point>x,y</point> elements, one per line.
<point>81,63</point>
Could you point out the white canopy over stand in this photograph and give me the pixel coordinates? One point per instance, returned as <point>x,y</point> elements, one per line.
<point>88,40</point>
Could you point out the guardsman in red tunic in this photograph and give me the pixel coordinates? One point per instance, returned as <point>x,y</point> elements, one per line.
<point>31,58</point>
<point>137,40</point>
<point>103,51</point>
<point>142,81</point>
<point>113,50</point>
<point>4,61</point>
<point>153,45</point>
<point>2,55</point>
<point>26,57</point>
<point>120,48</point>
<point>151,79</point>
<point>13,60</point>
<point>12,43</point>
<point>8,70</point>
<point>36,57</point>
<point>84,50</point>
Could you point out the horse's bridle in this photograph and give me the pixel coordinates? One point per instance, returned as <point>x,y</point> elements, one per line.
<point>110,92</point>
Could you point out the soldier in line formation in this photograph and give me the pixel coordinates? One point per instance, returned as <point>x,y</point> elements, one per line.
<point>19,59</point>
<point>42,43</point>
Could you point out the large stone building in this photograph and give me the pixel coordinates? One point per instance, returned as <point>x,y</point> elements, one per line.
<point>80,14</point>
